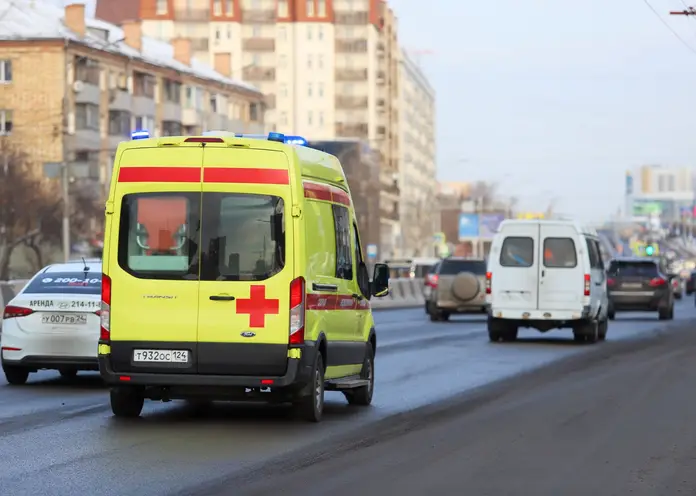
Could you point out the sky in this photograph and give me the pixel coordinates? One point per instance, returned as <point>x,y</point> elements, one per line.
<point>554,100</point>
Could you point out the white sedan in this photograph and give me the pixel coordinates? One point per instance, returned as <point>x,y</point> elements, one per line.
<point>53,322</point>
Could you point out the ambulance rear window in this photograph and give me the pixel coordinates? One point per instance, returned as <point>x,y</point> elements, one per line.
<point>159,235</point>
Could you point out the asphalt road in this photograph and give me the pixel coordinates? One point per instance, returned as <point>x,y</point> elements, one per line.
<point>57,437</point>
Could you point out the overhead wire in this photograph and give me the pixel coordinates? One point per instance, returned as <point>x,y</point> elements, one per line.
<point>675,33</point>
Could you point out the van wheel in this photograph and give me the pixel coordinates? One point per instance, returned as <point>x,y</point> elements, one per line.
<point>68,373</point>
<point>362,396</point>
<point>500,330</point>
<point>603,328</point>
<point>310,407</point>
<point>587,332</point>
<point>510,334</point>
<point>16,376</point>
<point>126,402</point>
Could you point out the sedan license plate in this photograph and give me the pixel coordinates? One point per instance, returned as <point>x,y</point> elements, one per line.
<point>632,285</point>
<point>64,319</point>
<point>161,356</point>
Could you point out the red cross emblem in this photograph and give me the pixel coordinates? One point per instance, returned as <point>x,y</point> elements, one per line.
<point>257,306</point>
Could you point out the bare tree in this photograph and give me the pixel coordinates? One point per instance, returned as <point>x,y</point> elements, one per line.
<point>30,208</point>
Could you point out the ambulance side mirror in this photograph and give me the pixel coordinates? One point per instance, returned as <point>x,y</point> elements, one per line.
<point>380,280</point>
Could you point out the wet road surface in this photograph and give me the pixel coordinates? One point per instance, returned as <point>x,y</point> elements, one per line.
<point>58,437</point>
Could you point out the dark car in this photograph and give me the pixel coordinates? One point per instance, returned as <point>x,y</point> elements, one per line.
<point>691,283</point>
<point>639,285</point>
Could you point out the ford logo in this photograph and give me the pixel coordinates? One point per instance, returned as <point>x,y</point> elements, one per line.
<point>248,334</point>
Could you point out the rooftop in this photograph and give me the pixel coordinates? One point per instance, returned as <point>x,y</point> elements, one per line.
<point>41,20</point>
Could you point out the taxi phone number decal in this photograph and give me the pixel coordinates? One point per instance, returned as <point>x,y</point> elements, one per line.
<point>70,280</point>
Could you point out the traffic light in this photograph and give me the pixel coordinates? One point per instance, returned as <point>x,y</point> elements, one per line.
<point>649,250</point>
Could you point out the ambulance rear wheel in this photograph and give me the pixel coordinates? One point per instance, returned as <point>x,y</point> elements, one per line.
<point>310,407</point>
<point>126,402</point>
<point>362,396</point>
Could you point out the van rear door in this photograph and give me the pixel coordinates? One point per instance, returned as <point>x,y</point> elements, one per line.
<point>247,262</point>
<point>153,259</point>
<point>514,281</point>
<point>561,272</point>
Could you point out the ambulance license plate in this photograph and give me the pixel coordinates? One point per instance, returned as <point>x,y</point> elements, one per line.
<point>161,356</point>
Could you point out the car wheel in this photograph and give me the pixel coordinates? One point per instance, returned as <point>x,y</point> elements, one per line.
<point>444,316</point>
<point>16,376</point>
<point>362,396</point>
<point>68,373</point>
<point>678,296</point>
<point>671,313</point>
<point>434,316</point>
<point>310,407</point>
<point>663,313</point>
<point>126,402</point>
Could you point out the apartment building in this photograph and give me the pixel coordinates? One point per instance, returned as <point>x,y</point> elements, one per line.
<point>74,88</point>
<point>329,68</point>
<point>417,166</point>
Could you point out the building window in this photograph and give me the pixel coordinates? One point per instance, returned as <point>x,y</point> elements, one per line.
<point>217,7</point>
<point>172,91</point>
<point>229,32</point>
<point>144,85</point>
<point>162,7</point>
<point>321,89</point>
<point>145,122</point>
<point>321,118</point>
<point>255,4</point>
<point>320,30</point>
<point>320,61</point>
<point>309,117</point>
<point>309,61</point>
<point>5,122</point>
<point>310,8</point>
<point>217,35</point>
<point>119,123</point>
<point>87,70</point>
<point>309,89</point>
<point>5,71</point>
<point>229,8</point>
<point>321,8</point>
<point>87,116</point>
<point>171,128</point>
<point>282,8</point>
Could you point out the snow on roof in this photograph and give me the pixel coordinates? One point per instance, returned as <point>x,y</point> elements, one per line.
<point>39,20</point>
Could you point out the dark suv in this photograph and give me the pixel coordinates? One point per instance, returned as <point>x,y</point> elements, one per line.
<point>639,285</point>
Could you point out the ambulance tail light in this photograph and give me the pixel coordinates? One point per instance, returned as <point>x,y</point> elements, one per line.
<point>298,297</point>
<point>587,285</point>
<point>489,281</point>
<point>105,311</point>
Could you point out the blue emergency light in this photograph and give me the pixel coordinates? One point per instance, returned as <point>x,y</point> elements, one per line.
<point>138,135</point>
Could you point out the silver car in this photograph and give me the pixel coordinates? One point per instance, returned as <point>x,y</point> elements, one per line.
<point>458,286</point>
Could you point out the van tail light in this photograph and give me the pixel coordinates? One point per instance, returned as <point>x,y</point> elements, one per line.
<point>298,297</point>
<point>12,312</point>
<point>105,311</point>
<point>489,282</point>
<point>587,285</point>
<point>431,280</point>
<point>611,282</point>
<point>657,282</point>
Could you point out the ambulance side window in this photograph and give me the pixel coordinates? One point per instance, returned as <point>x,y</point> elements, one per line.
<point>344,252</point>
<point>158,235</point>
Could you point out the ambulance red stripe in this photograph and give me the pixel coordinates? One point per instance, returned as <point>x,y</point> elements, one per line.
<point>325,192</point>
<point>236,175</point>
<point>321,301</point>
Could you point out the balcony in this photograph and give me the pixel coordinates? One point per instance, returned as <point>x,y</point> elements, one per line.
<point>259,44</point>
<point>351,74</point>
<point>192,15</point>
<point>350,130</point>
<point>259,16</point>
<point>381,105</point>
<point>351,18</point>
<point>256,73</point>
<point>348,102</point>
<point>353,45</point>
<point>390,214</point>
<point>381,77</point>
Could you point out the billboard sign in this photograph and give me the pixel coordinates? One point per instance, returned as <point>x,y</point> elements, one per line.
<point>468,226</point>
<point>489,224</point>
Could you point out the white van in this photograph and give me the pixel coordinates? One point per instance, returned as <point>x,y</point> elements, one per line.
<point>546,274</point>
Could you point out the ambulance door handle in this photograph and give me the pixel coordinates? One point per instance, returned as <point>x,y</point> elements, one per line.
<point>222,298</point>
<point>357,297</point>
<point>324,287</point>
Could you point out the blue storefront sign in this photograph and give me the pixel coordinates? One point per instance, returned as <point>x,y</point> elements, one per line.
<point>490,224</point>
<point>468,226</point>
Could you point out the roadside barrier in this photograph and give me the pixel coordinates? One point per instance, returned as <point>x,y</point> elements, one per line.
<point>403,293</point>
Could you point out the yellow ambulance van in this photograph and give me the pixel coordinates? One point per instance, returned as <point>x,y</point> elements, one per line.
<point>233,269</point>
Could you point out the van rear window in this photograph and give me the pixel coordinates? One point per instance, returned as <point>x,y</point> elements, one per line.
<point>559,253</point>
<point>212,237</point>
<point>517,251</point>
